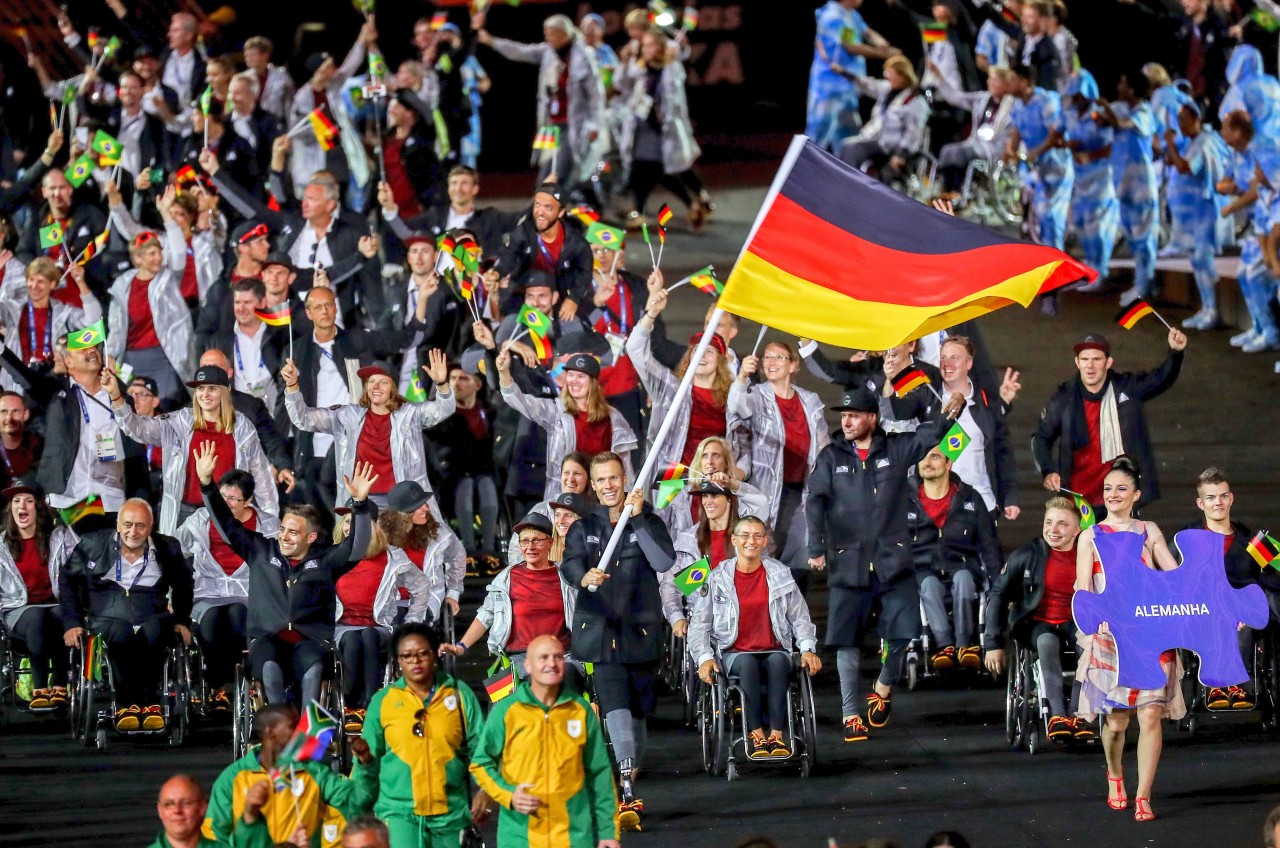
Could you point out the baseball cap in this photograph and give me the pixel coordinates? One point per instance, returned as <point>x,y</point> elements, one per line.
<point>535,521</point>
<point>24,485</point>
<point>571,501</point>
<point>209,375</point>
<point>716,342</point>
<point>407,496</point>
<point>147,383</point>
<point>552,189</point>
<point>1093,341</point>
<point>419,237</point>
<point>858,399</point>
<point>583,362</point>
<point>535,279</point>
<point>706,487</point>
<point>278,258</point>
<point>374,370</point>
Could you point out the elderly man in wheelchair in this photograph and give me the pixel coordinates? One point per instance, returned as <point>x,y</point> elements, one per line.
<point>1037,582</point>
<point>121,584</point>
<point>744,626</point>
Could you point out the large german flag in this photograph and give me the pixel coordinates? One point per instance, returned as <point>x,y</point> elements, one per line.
<point>836,256</point>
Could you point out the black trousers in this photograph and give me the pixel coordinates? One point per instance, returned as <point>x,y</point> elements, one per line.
<point>364,657</point>
<point>136,654</point>
<point>646,176</point>
<point>222,637</point>
<point>38,632</point>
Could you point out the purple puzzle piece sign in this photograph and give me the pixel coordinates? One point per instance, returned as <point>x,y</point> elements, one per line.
<point>1150,611</point>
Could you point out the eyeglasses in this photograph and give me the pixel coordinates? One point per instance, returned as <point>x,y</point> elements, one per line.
<point>415,656</point>
<point>775,357</point>
<point>233,499</point>
<point>751,537</point>
<point>530,543</point>
<point>184,803</point>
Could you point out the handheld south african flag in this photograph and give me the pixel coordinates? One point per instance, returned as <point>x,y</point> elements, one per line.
<point>671,483</point>
<point>1264,549</point>
<point>538,324</point>
<point>605,235</point>
<point>52,236</point>
<point>665,215</point>
<point>91,505</point>
<point>310,740</point>
<point>1134,313</point>
<point>908,379</point>
<point>705,280</point>
<point>690,578</point>
<point>954,443</point>
<point>279,315</point>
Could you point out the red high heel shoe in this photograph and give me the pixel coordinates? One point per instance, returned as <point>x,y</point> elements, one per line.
<point>1142,810</point>
<point>1121,801</point>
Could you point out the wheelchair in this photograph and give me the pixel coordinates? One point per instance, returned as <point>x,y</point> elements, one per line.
<point>991,193</point>
<point>13,674</point>
<point>1265,673</point>
<point>92,703</point>
<point>678,674</point>
<point>722,724</point>
<point>919,666</point>
<point>1026,709</point>
<point>249,696</point>
<point>917,180</point>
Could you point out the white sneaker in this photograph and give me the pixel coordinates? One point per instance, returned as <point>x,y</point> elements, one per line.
<point>1090,288</point>
<point>1205,319</point>
<point>1129,295</point>
<point>1240,339</point>
<point>1170,250</point>
<point>1259,343</point>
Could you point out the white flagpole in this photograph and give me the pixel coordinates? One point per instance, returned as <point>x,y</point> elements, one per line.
<point>764,328</point>
<point>646,472</point>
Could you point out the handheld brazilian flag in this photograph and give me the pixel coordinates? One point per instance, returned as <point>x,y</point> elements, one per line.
<point>91,505</point>
<point>1264,549</point>
<point>206,100</point>
<point>69,95</point>
<point>91,336</point>
<point>954,443</point>
<point>933,32</point>
<point>377,65</point>
<point>52,236</point>
<point>670,484</point>
<point>112,47</point>
<point>106,145</point>
<point>690,18</point>
<point>364,7</point>
<point>538,324</point>
<point>1088,517</point>
<point>500,684</point>
<point>665,215</point>
<point>1264,20</point>
<point>690,578</point>
<point>605,235</point>
<point>836,256</point>
<point>94,247</point>
<point>415,392</point>
<point>80,170</point>
<point>909,379</point>
<point>705,280</point>
<point>1133,313</point>
<point>310,739</point>
<point>279,315</point>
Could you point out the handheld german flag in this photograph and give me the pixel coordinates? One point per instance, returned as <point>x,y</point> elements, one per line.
<point>541,347</point>
<point>438,20</point>
<point>584,213</point>
<point>500,684</point>
<point>279,315</point>
<point>1134,313</point>
<point>670,484</point>
<point>705,280</point>
<point>665,215</point>
<point>691,578</point>
<point>933,32</point>
<point>94,247</point>
<point>836,256</point>
<point>909,379</point>
<point>326,130</point>
<point>1264,549</point>
<point>954,443</point>
<point>690,19</point>
<point>605,235</point>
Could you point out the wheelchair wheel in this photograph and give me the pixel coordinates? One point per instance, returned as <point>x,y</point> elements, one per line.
<point>242,705</point>
<point>449,635</point>
<point>808,725</point>
<point>1006,192</point>
<point>331,699</point>
<point>89,714</point>
<point>713,722</point>
<point>177,695</point>
<point>913,673</point>
<point>198,694</point>
<point>75,692</point>
<point>1266,680</point>
<point>1192,692</point>
<point>1011,707</point>
<point>1028,707</point>
<point>689,685</point>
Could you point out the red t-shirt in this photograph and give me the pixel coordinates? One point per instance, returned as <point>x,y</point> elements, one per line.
<point>224,444</point>
<point>475,420</point>
<point>621,376</point>
<point>142,330</point>
<point>1059,584</point>
<point>938,509</point>
<point>546,254</point>
<point>374,445</point>
<point>755,631</point>
<point>190,285</point>
<point>537,607</point>
<point>795,452</point>
<point>398,178</point>
<point>221,551</point>
<point>42,351</point>
<point>1087,470</point>
<point>719,544</point>
<point>592,437</point>
<point>19,460</point>
<point>705,419</point>
<point>863,453</point>
<point>35,574</point>
<point>357,590</point>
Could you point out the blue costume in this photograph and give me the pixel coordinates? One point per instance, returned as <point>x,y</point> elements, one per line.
<point>1256,282</point>
<point>833,98</point>
<point>472,72</point>
<point>1255,92</point>
<point>1194,206</point>
<point>1134,170</point>
<point>1050,177</point>
<point>1095,211</point>
<point>993,45</point>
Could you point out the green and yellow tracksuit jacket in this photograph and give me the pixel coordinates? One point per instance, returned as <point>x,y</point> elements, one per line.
<point>253,835</point>
<point>422,776</point>
<point>318,797</point>
<point>560,752</point>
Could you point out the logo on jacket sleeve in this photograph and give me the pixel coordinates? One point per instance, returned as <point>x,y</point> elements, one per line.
<point>842,469</point>
<point>574,727</point>
<point>969,506</point>
<point>882,463</point>
<point>330,833</point>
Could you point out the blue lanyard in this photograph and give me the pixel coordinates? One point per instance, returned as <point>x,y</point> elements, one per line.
<point>84,409</point>
<point>151,449</point>
<point>120,566</point>
<point>47,350</point>
<point>624,295</point>
<point>546,251</point>
<point>261,362</point>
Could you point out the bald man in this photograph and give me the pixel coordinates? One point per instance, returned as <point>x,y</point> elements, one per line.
<point>79,224</point>
<point>182,804</point>
<point>275,447</point>
<point>121,584</point>
<point>557,733</point>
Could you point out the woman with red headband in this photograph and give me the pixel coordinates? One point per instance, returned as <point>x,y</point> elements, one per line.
<point>149,325</point>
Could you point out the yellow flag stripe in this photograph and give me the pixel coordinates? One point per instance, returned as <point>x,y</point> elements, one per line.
<point>764,293</point>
